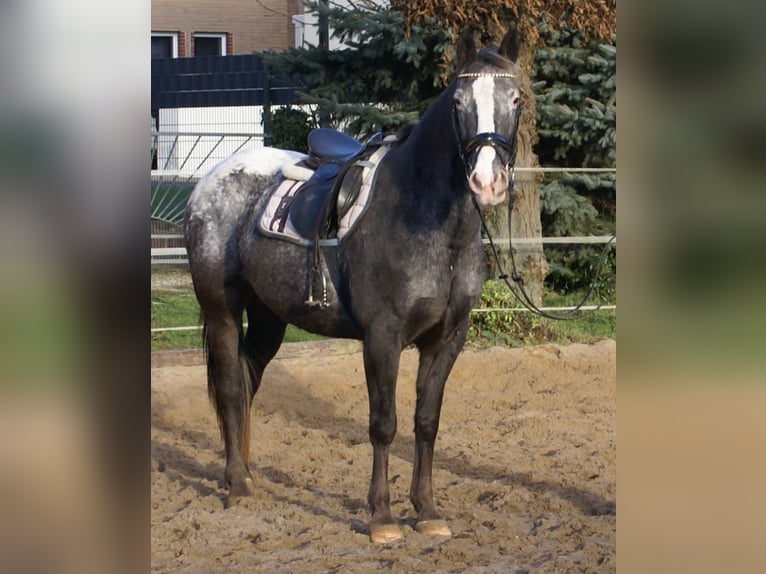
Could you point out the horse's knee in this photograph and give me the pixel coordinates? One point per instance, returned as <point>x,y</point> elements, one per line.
<point>426,426</point>
<point>382,428</point>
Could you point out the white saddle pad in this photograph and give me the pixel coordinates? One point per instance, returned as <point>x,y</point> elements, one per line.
<point>296,177</point>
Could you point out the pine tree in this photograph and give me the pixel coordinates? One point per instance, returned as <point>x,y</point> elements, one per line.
<point>576,125</point>
<point>381,81</point>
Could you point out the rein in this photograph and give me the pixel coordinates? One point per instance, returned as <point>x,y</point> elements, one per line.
<point>525,298</point>
<point>498,142</point>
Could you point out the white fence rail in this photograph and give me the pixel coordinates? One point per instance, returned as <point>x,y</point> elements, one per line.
<point>177,255</point>
<point>477,310</point>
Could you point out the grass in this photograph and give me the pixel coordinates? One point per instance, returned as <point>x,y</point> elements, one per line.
<point>174,305</point>
<point>180,309</point>
<point>524,328</point>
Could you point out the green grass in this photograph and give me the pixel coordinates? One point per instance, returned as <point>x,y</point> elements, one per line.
<point>176,306</point>
<point>519,328</point>
<point>525,328</point>
<point>179,308</point>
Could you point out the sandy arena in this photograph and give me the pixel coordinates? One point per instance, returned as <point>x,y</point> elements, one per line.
<point>524,471</point>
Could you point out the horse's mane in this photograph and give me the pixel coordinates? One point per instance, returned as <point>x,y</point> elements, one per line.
<point>405,132</point>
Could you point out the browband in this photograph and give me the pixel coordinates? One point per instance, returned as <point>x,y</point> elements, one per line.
<point>486,75</point>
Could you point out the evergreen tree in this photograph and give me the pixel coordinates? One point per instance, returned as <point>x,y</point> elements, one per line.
<point>576,125</point>
<point>381,81</point>
<point>489,19</point>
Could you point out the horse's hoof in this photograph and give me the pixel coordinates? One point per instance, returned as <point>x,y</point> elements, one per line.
<point>385,533</point>
<point>232,501</point>
<point>240,492</point>
<point>436,527</point>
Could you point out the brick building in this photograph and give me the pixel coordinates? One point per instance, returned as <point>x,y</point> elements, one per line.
<point>184,28</point>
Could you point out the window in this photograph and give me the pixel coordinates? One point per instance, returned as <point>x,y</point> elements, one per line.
<point>209,44</point>
<point>299,24</point>
<point>164,45</point>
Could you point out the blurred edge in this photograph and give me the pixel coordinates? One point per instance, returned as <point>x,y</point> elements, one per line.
<point>74,303</point>
<point>75,420</point>
<point>691,398</point>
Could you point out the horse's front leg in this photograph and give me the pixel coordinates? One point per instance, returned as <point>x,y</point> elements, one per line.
<point>381,366</point>
<point>436,362</point>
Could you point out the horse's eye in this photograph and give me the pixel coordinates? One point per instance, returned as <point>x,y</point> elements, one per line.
<point>458,99</point>
<point>515,101</point>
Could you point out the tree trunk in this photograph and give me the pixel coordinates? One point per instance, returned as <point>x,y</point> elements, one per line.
<point>530,260</point>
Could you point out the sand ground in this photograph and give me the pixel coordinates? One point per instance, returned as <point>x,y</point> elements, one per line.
<point>525,466</point>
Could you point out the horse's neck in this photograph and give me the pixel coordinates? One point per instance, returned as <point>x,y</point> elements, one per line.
<point>433,184</point>
<point>433,151</point>
<point>433,142</point>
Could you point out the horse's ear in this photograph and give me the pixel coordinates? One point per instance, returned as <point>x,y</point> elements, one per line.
<point>465,49</point>
<point>509,47</point>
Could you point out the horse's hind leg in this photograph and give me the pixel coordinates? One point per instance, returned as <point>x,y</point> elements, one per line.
<point>229,390</point>
<point>265,332</point>
<point>236,362</point>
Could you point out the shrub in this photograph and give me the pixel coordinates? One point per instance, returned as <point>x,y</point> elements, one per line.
<point>290,128</point>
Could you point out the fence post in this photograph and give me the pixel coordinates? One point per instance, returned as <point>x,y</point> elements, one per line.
<point>267,108</point>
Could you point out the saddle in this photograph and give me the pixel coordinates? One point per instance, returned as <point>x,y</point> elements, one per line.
<point>328,145</point>
<point>323,199</point>
<point>317,207</point>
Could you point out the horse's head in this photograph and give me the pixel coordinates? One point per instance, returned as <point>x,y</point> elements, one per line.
<point>485,115</point>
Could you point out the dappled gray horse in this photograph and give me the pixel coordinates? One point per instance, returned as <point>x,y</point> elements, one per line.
<point>407,271</point>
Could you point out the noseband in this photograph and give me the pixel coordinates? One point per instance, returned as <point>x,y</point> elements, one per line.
<point>492,139</point>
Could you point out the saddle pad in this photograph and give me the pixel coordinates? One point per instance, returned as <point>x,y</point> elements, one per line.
<point>269,222</point>
<point>368,178</point>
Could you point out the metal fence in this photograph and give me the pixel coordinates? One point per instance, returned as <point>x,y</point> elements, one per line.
<point>179,160</point>
<point>216,81</point>
<point>186,156</point>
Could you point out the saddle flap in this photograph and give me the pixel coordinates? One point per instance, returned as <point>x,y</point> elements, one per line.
<point>308,208</point>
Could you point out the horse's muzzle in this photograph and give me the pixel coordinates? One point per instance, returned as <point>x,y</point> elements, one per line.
<point>491,188</point>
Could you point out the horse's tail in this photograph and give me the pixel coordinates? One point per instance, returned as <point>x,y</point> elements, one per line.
<point>248,381</point>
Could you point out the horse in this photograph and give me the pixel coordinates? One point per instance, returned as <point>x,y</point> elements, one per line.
<point>408,273</point>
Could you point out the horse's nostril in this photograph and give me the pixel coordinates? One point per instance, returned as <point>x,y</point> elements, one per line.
<point>497,182</point>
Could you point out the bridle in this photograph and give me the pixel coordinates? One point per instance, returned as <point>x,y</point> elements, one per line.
<point>500,143</point>
<point>497,141</point>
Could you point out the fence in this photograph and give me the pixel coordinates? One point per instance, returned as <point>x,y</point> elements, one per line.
<point>182,158</point>
<point>217,81</point>
<point>186,156</point>
<point>187,96</point>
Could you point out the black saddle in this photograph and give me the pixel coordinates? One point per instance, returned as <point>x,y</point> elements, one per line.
<point>329,193</point>
<point>320,203</point>
<point>308,207</point>
<point>331,146</point>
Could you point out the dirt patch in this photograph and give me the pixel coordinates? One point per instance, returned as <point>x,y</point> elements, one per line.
<point>525,466</point>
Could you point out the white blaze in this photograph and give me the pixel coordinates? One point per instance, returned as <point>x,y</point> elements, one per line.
<point>484,96</point>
